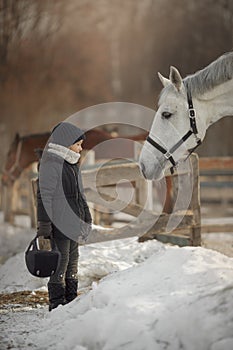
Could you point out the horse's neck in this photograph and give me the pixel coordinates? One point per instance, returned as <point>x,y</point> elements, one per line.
<point>28,154</point>
<point>218,102</point>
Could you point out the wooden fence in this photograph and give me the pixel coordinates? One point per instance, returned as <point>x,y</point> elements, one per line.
<point>18,198</point>
<point>100,183</point>
<point>216,176</point>
<point>216,179</point>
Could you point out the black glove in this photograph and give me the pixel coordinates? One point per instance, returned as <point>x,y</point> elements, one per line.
<point>44,229</point>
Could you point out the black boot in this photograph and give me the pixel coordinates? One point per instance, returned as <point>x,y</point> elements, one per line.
<point>71,289</point>
<point>56,295</point>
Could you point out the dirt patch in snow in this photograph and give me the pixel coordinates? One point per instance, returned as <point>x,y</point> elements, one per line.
<point>20,300</point>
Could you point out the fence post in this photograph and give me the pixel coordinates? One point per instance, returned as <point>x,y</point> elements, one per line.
<point>7,203</point>
<point>143,188</point>
<point>144,193</point>
<point>88,158</point>
<point>195,205</point>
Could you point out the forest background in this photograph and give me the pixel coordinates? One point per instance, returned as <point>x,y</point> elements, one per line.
<point>58,57</point>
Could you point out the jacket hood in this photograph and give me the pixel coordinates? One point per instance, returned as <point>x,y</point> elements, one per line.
<point>66,134</point>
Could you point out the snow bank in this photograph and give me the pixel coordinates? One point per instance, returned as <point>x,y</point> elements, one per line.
<point>96,261</point>
<point>179,298</point>
<point>151,296</point>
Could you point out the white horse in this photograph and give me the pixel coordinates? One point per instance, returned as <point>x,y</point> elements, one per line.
<point>186,109</point>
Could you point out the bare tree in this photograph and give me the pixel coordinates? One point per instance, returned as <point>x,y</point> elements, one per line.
<point>20,18</point>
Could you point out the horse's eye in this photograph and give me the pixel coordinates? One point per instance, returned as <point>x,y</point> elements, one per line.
<point>166,115</point>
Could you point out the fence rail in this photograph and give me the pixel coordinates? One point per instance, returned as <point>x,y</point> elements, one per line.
<point>100,181</point>
<point>188,232</point>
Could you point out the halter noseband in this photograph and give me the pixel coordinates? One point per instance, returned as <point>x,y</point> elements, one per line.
<point>168,154</point>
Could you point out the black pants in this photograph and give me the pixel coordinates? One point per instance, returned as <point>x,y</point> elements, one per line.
<point>69,261</point>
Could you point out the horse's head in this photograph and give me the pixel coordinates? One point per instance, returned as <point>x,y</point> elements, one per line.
<point>23,151</point>
<point>170,125</point>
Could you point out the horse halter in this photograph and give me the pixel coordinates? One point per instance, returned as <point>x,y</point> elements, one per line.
<point>168,154</point>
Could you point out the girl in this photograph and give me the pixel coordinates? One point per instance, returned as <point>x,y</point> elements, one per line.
<point>62,210</point>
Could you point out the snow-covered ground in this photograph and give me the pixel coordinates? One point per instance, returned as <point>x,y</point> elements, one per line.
<point>150,296</point>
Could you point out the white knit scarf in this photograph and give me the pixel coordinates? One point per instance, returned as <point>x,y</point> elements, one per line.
<point>64,152</point>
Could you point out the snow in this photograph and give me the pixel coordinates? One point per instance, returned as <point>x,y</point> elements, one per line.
<point>144,296</point>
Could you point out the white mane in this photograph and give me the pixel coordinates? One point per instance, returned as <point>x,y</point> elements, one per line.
<point>216,73</point>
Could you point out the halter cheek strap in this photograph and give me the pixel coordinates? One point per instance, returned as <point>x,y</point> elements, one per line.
<point>193,123</point>
<point>168,154</point>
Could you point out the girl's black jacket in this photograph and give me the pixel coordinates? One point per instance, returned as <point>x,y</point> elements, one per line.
<point>61,200</point>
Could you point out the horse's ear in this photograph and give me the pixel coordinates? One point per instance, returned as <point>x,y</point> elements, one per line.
<point>176,78</point>
<point>164,80</point>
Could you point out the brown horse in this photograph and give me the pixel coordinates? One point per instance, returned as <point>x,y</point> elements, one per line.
<point>22,151</point>
<point>21,154</point>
